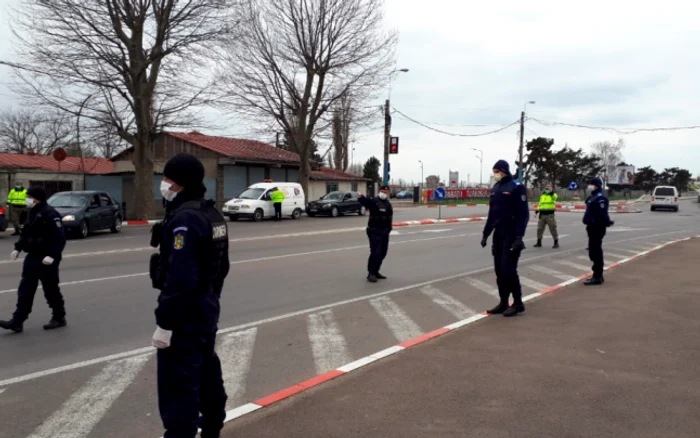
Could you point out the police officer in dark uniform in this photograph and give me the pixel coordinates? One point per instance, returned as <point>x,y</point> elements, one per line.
<point>597,220</point>
<point>43,239</point>
<point>189,271</point>
<point>381,216</point>
<point>507,219</point>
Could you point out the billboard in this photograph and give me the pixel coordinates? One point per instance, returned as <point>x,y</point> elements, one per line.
<point>465,194</point>
<point>454,179</point>
<point>623,175</point>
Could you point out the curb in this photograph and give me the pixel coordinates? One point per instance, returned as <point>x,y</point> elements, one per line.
<point>330,375</point>
<point>438,221</point>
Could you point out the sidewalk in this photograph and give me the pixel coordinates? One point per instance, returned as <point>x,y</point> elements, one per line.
<point>622,360</point>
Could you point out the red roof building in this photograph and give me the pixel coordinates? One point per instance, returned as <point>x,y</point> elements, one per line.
<point>93,166</point>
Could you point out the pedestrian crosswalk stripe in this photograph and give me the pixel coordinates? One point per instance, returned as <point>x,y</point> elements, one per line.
<point>549,271</point>
<point>631,251</point>
<point>236,352</point>
<point>86,407</point>
<point>452,305</point>
<point>617,256</point>
<point>573,265</point>
<point>328,345</point>
<point>480,285</point>
<point>400,324</point>
<point>532,284</point>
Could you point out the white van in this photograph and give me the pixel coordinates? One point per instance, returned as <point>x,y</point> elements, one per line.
<point>255,202</point>
<point>664,197</point>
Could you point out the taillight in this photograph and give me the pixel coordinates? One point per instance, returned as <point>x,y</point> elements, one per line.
<point>2,211</point>
<point>653,199</point>
<point>675,199</point>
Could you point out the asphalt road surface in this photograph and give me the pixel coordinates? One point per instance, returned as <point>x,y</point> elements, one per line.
<point>295,304</point>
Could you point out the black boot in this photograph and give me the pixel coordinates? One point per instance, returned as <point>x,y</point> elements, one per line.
<point>538,244</point>
<point>502,307</point>
<point>55,323</point>
<point>16,327</point>
<point>379,276</point>
<point>372,278</point>
<point>556,244</point>
<point>594,281</point>
<point>514,310</point>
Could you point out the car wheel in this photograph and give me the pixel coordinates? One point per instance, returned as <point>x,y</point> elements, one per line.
<point>258,215</point>
<point>233,218</point>
<point>117,226</point>
<point>296,214</point>
<point>83,229</point>
<point>362,211</point>
<point>334,212</point>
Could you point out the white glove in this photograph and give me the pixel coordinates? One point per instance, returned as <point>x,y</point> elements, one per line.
<point>161,338</point>
<point>14,255</point>
<point>48,261</point>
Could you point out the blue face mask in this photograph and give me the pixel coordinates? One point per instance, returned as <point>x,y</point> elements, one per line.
<point>547,192</point>
<point>18,187</point>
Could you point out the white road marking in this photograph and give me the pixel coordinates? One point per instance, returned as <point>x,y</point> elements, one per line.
<point>480,285</point>
<point>532,284</point>
<point>327,342</point>
<point>78,415</point>
<point>2,390</point>
<point>400,324</point>
<point>617,256</point>
<point>573,265</point>
<point>285,316</point>
<point>549,271</point>
<point>447,302</point>
<point>236,352</point>
<point>631,251</point>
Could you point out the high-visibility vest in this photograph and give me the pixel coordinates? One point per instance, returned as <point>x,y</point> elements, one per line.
<point>548,202</point>
<point>277,196</point>
<point>17,197</point>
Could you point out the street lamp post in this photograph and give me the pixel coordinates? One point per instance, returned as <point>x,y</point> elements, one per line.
<point>522,133</point>
<point>387,127</point>
<point>421,175</point>
<point>481,168</point>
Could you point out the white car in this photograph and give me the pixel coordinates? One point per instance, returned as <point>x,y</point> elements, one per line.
<point>255,203</point>
<point>665,197</point>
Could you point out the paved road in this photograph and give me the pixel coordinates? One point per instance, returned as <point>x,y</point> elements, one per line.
<point>294,306</point>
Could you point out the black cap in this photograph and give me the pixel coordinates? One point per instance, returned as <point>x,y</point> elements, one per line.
<point>185,170</point>
<point>503,166</point>
<point>384,187</point>
<point>37,193</point>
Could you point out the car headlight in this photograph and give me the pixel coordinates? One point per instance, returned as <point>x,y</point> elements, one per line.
<point>245,207</point>
<point>326,206</point>
<point>69,218</point>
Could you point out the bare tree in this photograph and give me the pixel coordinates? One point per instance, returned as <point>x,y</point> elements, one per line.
<point>137,65</point>
<point>296,59</point>
<point>610,154</point>
<point>25,131</point>
<point>342,119</point>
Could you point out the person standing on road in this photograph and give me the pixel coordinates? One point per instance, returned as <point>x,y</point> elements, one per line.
<point>277,197</point>
<point>16,202</point>
<point>597,221</point>
<point>508,217</point>
<point>381,217</point>
<point>43,239</point>
<point>189,271</point>
<point>546,208</point>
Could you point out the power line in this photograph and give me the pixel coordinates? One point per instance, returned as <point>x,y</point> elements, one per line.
<point>503,128</point>
<point>616,130</point>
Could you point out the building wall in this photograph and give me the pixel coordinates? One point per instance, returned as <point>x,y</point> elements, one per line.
<point>320,188</point>
<point>112,184</point>
<point>51,180</point>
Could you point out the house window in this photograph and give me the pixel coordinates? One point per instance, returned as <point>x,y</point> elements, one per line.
<point>53,187</point>
<point>331,187</point>
<point>354,187</point>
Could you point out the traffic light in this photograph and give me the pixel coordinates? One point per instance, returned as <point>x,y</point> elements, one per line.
<point>394,145</point>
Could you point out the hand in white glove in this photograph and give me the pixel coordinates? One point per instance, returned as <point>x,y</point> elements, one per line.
<point>14,255</point>
<point>161,338</point>
<point>48,261</point>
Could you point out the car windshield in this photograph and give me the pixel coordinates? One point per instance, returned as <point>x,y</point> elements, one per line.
<point>334,196</point>
<point>64,200</point>
<point>252,194</point>
<point>664,191</point>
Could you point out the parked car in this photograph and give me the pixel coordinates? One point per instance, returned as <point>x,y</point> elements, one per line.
<point>336,203</point>
<point>405,194</point>
<point>665,197</point>
<point>255,203</point>
<point>87,212</point>
<point>3,219</point>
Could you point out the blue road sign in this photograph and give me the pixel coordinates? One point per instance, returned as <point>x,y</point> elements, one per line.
<point>573,185</point>
<point>439,194</point>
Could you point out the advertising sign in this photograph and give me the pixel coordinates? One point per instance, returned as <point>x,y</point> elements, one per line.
<point>624,175</point>
<point>454,179</point>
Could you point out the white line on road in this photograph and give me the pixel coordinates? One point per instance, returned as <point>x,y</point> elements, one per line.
<point>480,285</point>
<point>630,251</point>
<point>447,302</point>
<point>549,271</point>
<point>236,352</point>
<point>532,284</point>
<point>86,407</point>
<point>400,324</point>
<point>327,342</point>
<point>573,265</point>
<point>2,390</point>
<point>146,350</point>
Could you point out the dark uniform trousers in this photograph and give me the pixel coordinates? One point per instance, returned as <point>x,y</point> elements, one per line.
<point>189,383</point>
<point>378,248</point>
<point>278,211</point>
<point>505,263</point>
<point>33,272</point>
<point>595,248</point>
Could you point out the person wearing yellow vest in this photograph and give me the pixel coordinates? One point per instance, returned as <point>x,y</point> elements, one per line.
<point>546,208</point>
<point>277,197</point>
<point>17,203</point>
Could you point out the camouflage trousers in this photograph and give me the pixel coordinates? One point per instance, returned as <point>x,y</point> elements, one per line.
<point>547,220</point>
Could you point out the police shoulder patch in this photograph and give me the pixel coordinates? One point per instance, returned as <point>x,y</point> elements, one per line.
<point>58,222</point>
<point>524,198</point>
<point>179,241</point>
<point>602,205</point>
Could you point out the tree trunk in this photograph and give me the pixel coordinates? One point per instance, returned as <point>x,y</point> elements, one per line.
<point>144,205</point>
<point>304,171</point>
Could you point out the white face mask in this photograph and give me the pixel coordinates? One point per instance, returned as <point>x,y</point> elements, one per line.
<point>168,194</point>
<point>382,196</point>
<point>30,202</point>
<point>592,188</point>
<point>497,176</point>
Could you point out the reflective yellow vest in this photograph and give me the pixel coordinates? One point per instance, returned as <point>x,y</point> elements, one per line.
<point>277,196</point>
<point>548,202</point>
<point>17,197</point>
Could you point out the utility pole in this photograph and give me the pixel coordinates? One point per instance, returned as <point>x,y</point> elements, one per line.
<point>277,140</point>
<point>520,153</point>
<point>387,139</point>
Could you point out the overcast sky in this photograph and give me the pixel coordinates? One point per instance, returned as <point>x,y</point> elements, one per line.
<point>607,63</point>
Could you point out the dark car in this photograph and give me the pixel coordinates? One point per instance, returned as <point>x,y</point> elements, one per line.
<point>86,212</point>
<point>405,194</point>
<point>334,204</point>
<point>3,219</point>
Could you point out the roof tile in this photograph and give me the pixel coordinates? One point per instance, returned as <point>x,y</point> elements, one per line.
<point>48,163</point>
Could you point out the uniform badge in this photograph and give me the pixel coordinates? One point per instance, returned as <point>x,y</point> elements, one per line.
<point>179,241</point>
<point>602,205</point>
<point>523,197</point>
<point>58,223</point>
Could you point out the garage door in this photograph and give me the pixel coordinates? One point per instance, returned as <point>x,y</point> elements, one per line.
<point>235,181</point>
